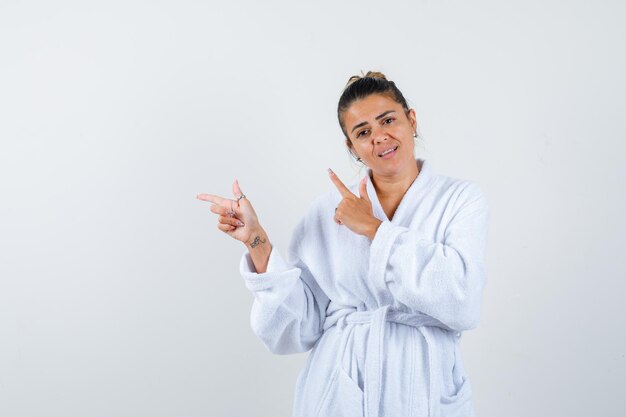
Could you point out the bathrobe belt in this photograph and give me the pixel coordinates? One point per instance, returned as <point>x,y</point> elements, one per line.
<point>375,355</point>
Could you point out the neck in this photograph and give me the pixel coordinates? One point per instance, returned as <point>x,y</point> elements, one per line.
<point>391,187</point>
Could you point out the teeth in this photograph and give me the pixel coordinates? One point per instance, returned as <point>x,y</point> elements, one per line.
<point>388,150</point>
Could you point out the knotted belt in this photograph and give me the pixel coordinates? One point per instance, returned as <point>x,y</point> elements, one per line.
<point>375,351</point>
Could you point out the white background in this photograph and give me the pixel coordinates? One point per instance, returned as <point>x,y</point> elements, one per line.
<point>120,297</point>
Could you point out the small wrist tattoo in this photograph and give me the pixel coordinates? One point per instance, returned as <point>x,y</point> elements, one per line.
<point>257,240</point>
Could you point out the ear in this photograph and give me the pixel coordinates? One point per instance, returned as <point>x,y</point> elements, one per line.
<point>350,148</point>
<point>349,145</point>
<point>412,119</point>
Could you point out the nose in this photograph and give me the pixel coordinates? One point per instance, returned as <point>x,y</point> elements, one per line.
<point>381,139</point>
<point>379,134</point>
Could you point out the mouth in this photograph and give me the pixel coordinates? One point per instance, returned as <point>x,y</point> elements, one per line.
<point>388,152</point>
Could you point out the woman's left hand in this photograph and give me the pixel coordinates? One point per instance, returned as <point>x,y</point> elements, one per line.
<point>355,212</point>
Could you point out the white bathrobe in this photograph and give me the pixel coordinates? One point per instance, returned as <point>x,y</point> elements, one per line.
<point>383,317</point>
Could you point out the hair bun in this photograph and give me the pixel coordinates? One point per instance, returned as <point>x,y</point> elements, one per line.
<point>375,74</point>
<point>370,74</point>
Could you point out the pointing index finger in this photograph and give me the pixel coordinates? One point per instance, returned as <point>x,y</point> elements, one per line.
<point>212,198</point>
<point>343,190</point>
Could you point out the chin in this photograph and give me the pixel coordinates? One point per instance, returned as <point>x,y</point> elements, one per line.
<point>396,163</point>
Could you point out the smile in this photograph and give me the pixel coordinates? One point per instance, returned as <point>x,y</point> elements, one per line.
<point>387,152</point>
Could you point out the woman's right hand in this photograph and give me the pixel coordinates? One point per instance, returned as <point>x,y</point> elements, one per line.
<point>231,212</point>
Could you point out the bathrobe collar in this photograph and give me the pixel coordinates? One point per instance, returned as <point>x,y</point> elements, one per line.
<point>412,193</point>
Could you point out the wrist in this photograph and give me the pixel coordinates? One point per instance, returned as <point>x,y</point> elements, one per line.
<point>260,248</point>
<point>257,238</point>
<point>373,228</point>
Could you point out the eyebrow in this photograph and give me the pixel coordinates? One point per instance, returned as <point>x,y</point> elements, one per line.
<point>377,117</point>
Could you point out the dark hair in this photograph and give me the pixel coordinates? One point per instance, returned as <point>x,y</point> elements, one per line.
<point>359,87</point>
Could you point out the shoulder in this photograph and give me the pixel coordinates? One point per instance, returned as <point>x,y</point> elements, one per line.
<point>323,204</point>
<point>319,208</point>
<point>460,192</point>
<point>315,225</point>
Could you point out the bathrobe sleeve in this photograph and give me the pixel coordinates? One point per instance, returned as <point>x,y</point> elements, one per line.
<point>289,308</point>
<point>444,280</point>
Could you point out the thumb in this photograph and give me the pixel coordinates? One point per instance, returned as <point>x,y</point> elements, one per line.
<point>237,190</point>
<point>363,190</point>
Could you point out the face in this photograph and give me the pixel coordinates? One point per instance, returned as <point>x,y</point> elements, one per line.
<point>378,123</point>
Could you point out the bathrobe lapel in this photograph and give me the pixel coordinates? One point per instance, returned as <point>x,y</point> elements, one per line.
<point>407,205</point>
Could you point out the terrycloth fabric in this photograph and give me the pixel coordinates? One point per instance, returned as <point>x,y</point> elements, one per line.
<point>382,318</point>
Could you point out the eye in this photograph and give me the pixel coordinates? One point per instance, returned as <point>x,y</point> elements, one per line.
<point>389,118</point>
<point>359,134</point>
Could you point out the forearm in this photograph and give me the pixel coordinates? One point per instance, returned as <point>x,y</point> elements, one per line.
<point>260,248</point>
<point>442,278</point>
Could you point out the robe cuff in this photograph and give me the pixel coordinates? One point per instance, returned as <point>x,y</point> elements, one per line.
<point>380,250</point>
<point>258,281</point>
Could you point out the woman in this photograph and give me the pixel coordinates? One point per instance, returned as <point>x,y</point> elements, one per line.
<point>381,278</point>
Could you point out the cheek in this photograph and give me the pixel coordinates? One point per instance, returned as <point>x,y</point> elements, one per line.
<point>401,129</point>
<point>405,134</point>
<point>363,148</point>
